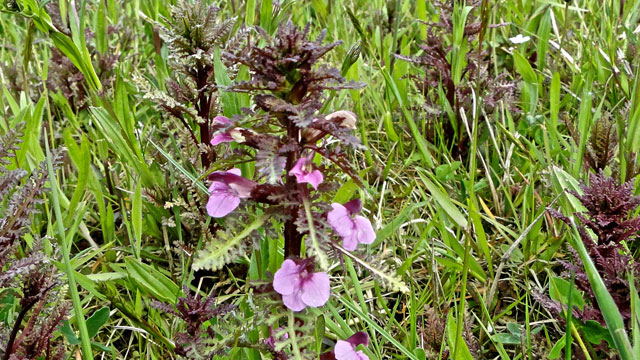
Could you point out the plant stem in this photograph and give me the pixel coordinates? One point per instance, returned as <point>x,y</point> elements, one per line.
<point>14,331</point>
<point>292,335</point>
<point>292,238</point>
<point>87,354</point>
<point>204,110</point>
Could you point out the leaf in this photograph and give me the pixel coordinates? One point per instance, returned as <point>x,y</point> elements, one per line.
<point>230,104</point>
<point>319,332</point>
<point>462,351</point>
<point>524,68</point>
<point>596,333</point>
<point>557,348</point>
<point>559,291</point>
<point>65,329</point>
<point>388,126</point>
<point>136,217</point>
<point>394,224</point>
<point>506,339</point>
<point>95,322</point>
<point>218,254</point>
<point>609,309</point>
<point>108,276</point>
<point>443,200</point>
<point>158,285</point>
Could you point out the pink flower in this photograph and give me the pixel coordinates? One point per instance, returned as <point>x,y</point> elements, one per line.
<point>226,190</point>
<point>353,229</point>
<point>301,287</point>
<point>227,136</point>
<point>305,172</point>
<point>346,349</point>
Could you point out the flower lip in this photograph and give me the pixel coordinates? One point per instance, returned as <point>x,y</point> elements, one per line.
<point>346,349</point>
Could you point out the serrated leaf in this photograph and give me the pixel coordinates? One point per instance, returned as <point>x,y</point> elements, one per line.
<point>216,255</point>
<point>392,282</point>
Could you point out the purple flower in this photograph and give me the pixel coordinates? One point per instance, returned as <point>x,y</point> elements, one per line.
<point>299,286</point>
<point>226,190</point>
<point>305,172</point>
<point>227,136</point>
<point>353,229</point>
<point>346,349</point>
<point>271,340</point>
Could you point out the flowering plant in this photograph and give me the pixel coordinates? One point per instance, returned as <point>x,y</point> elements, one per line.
<point>299,159</point>
<point>288,140</point>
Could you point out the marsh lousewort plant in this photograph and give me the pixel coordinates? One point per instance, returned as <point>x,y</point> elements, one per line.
<point>609,216</point>
<point>28,301</point>
<point>300,160</point>
<point>192,36</point>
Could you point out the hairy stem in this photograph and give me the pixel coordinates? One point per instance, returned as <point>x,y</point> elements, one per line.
<point>204,110</point>
<point>292,238</point>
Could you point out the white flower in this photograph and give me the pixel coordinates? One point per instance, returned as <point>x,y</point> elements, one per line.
<point>519,39</point>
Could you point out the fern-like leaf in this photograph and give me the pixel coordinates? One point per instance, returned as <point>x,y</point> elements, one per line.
<point>390,281</point>
<point>227,248</point>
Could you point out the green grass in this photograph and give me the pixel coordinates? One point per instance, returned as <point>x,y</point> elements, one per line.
<point>466,231</point>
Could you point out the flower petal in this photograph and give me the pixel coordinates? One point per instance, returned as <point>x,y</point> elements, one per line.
<point>287,279</point>
<point>302,176</point>
<point>350,242</point>
<point>221,138</point>
<point>346,351</point>
<point>340,220</point>
<point>358,338</point>
<point>221,120</point>
<point>221,203</point>
<point>296,170</point>
<point>365,232</point>
<point>241,186</point>
<point>293,301</point>
<point>316,289</point>
<point>315,178</point>
<point>235,171</point>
